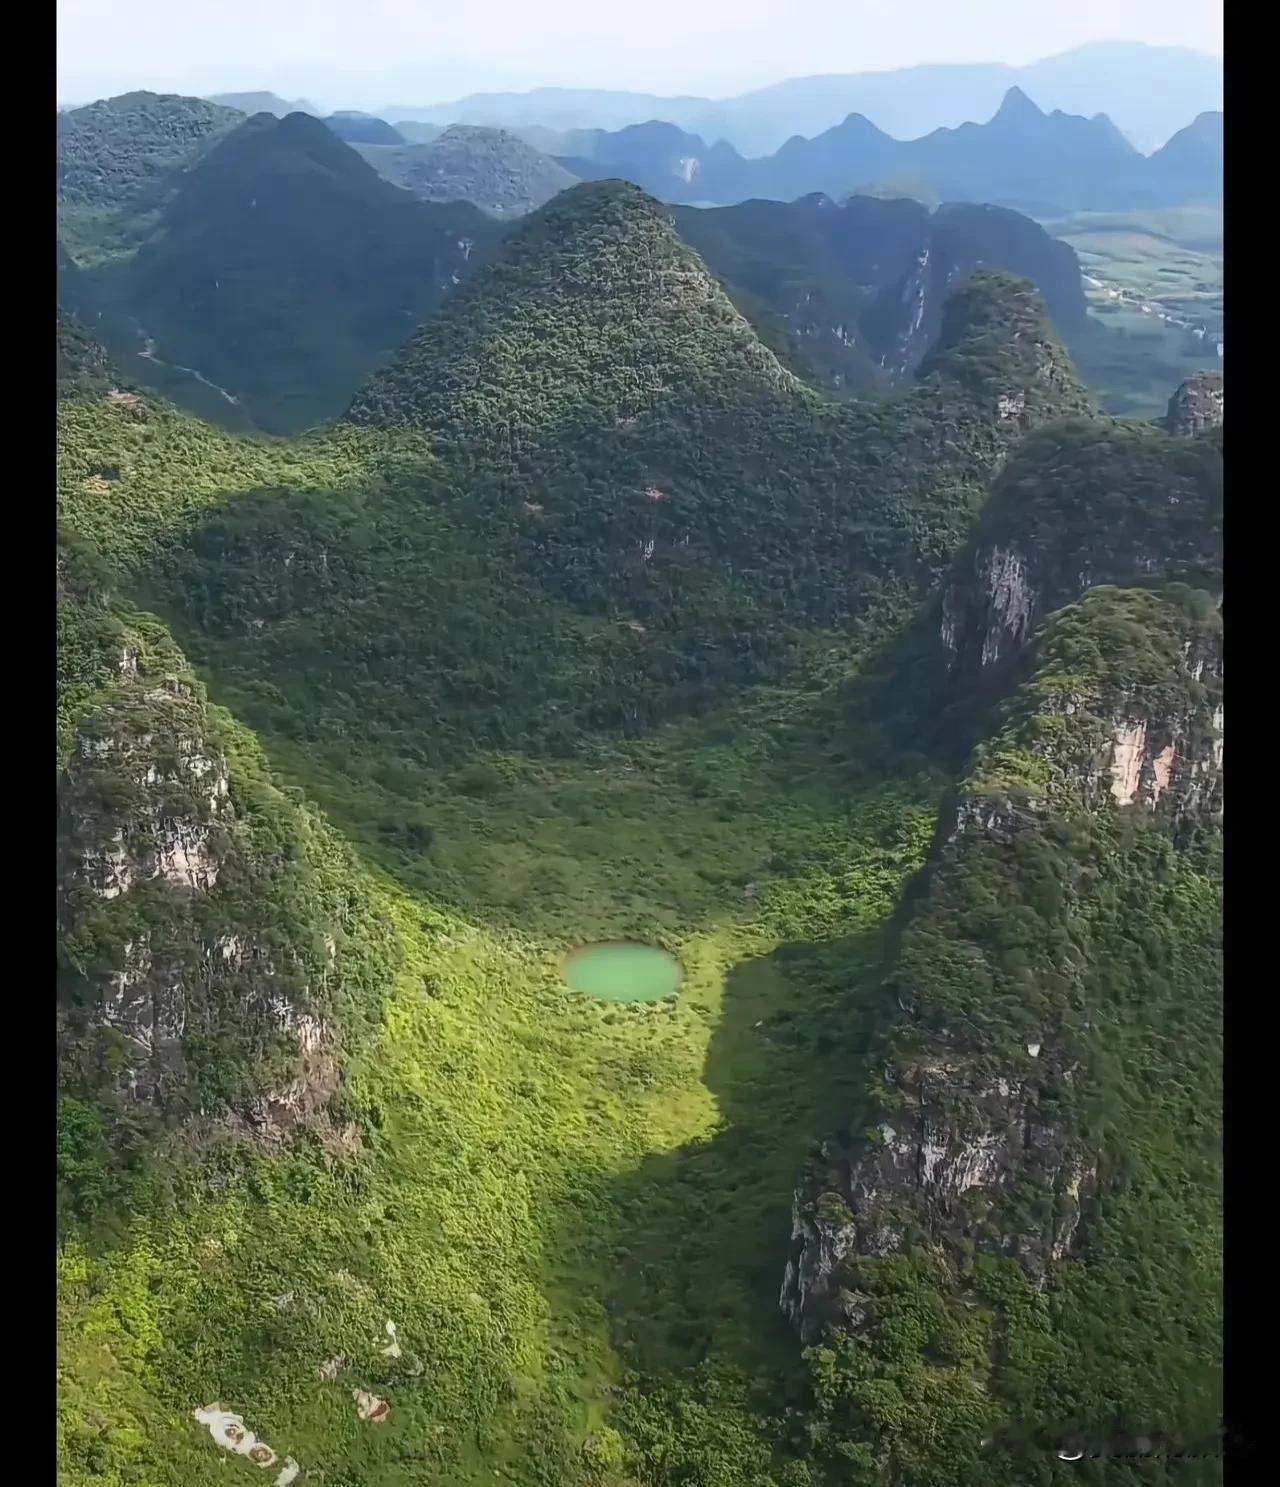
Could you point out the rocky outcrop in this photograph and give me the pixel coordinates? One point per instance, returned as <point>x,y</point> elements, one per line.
<point>938,1168</point>
<point>1196,407</point>
<point>188,980</point>
<point>969,1137</point>
<point>1080,505</point>
<point>153,796</point>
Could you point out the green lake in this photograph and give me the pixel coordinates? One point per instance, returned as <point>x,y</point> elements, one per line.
<point>623,972</point>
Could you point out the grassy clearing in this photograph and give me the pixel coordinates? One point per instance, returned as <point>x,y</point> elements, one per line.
<point>557,1197</point>
<point>555,1190</point>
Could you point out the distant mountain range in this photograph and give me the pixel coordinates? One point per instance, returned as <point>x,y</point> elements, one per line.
<point>1021,157</point>
<point>1044,164</point>
<point>490,168</point>
<point>1149,91</point>
<point>264,103</point>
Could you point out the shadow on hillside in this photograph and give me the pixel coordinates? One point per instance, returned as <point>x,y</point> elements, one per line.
<point>697,1262</point>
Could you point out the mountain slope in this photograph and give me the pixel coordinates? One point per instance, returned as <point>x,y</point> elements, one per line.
<point>117,160</point>
<point>859,287</point>
<point>1042,1113</point>
<point>84,369</point>
<point>1192,158</point>
<point>363,129</point>
<point>1094,504</point>
<point>284,269</point>
<point>489,168</point>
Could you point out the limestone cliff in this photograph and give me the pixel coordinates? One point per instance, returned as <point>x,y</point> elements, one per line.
<point>976,1132</point>
<point>1196,407</point>
<point>201,954</point>
<point>1080,504</point>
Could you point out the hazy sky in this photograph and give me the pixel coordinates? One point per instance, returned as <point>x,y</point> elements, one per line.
<point>362,53</point>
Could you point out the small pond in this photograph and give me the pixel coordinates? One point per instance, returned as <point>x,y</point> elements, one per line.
<point>622,972</point>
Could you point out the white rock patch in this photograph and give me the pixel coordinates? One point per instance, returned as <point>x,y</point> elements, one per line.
<point>229,1431</point>
<point>1129,751</point>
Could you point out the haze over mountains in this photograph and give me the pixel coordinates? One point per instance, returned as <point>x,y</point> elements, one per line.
<point>1148,91</point>
<point>459,564</point>
<point>1042,163</point>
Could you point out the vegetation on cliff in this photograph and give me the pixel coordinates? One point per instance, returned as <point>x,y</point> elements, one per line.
<point>507,673</point>
<point>1067,952</point>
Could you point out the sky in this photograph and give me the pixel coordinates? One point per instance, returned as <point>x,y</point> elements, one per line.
<point>374,52</point>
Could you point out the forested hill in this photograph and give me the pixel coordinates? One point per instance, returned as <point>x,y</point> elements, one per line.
<point>607,407</point>
<point>491,168</point>
<point>592,622</point>
<point>283,268</point>
<point>118,159</point>
<point>1037,1155</point>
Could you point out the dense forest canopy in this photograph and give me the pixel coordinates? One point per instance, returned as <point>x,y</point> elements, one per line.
<point>897,722</point>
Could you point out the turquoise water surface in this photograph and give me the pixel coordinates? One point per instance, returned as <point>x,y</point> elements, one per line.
<point>623,973</point>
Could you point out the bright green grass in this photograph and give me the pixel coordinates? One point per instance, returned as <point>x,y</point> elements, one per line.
<point>556,1194</point>
<point>623,973</point>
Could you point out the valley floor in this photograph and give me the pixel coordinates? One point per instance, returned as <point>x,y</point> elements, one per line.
<point>558,1197</point>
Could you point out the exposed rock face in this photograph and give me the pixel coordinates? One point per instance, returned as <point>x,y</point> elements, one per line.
<point>971,1120</point>
<point>938,1167</point>
<point>157,996</point>
<point>1196,407</point>
<point>178,795</point>
<point>1041,545</point>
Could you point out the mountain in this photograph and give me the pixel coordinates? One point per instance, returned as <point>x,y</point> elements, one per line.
<point>415,132</point>
<point>1150,92</point>
<point>606,386</point>
<point>363,129</point>
<point>490,168</point>
<point>284,269</point>
<point>1193,159</point>
<point>660,159</point>
<point>859,286</point>
<point>1043,164</point>
<point>264,103</point>
<point>554,108</point>
<point>1028,1127</point>
<point>118,159</point>
<point>591,622</point>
